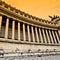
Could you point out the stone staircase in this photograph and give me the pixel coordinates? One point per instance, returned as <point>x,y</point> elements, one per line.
<point>55,57</point>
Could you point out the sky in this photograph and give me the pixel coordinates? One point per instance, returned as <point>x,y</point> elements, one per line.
<point>38,8</point>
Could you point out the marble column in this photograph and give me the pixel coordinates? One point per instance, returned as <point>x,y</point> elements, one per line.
<point>28,30</point>
<point>18,30</point>
<point>59,32</point>
<point>0,22</point>
<point>13,29</point>
<point>37,34</point>
<point>54,36</point>
<point>51,36</point>
<point>33,37</point>
<point>47,36</point>
<point>41,38</point>
<point>44,35</point>
<point>6,28</point>
<point>24,33</point>
<point>57,36</point>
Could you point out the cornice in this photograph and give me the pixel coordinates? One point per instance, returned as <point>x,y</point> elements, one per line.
<point>4,7</point>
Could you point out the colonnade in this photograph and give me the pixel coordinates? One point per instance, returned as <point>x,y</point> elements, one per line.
<point>41,35</point>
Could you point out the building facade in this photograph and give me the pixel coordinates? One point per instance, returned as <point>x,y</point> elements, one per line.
<point>27,34</point>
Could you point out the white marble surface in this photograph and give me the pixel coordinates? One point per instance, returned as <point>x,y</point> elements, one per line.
<point>56,57</point>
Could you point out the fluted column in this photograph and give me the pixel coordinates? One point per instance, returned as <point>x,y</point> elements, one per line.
<point>44,36</point>
<point>28,30</point>
<point>59,32</point>
<point>13,29</point>
<point>6,29</point>
<point>18,30</point>
<point>24,34</point>
<point>51,36</point>
<point>0,22</point>
<point>47,36</point>
<point>37,34</point>
<point>57,36</point>
<point>54,36</point>
<point>41,38</point>
<point>33,37</point>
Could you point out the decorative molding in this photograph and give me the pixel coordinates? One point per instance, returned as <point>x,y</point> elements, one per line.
<point>25,15</point>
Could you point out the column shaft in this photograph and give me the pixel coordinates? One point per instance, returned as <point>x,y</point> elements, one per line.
<point>18,30</point>
<point>59,33</point>
<point>51,36</point>
<point>28,30</point>
<point>41,38</point>
<point>0,22</point>
<point>6,29</point>
<point>54,36</point>
<point>13,29</point>
<point>37,34</point>
<point>57,36</point>
<point>33,37</point>
<point>44,36</point>
<point>24,34</point>
<point>47,36</point>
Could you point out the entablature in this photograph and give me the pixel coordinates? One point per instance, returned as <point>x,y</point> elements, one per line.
<point>12,12</point>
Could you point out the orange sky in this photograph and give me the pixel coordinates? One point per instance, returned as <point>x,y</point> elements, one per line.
<point>39,8</point>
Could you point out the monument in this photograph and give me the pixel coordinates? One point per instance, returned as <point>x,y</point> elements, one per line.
<point>22,34</point>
